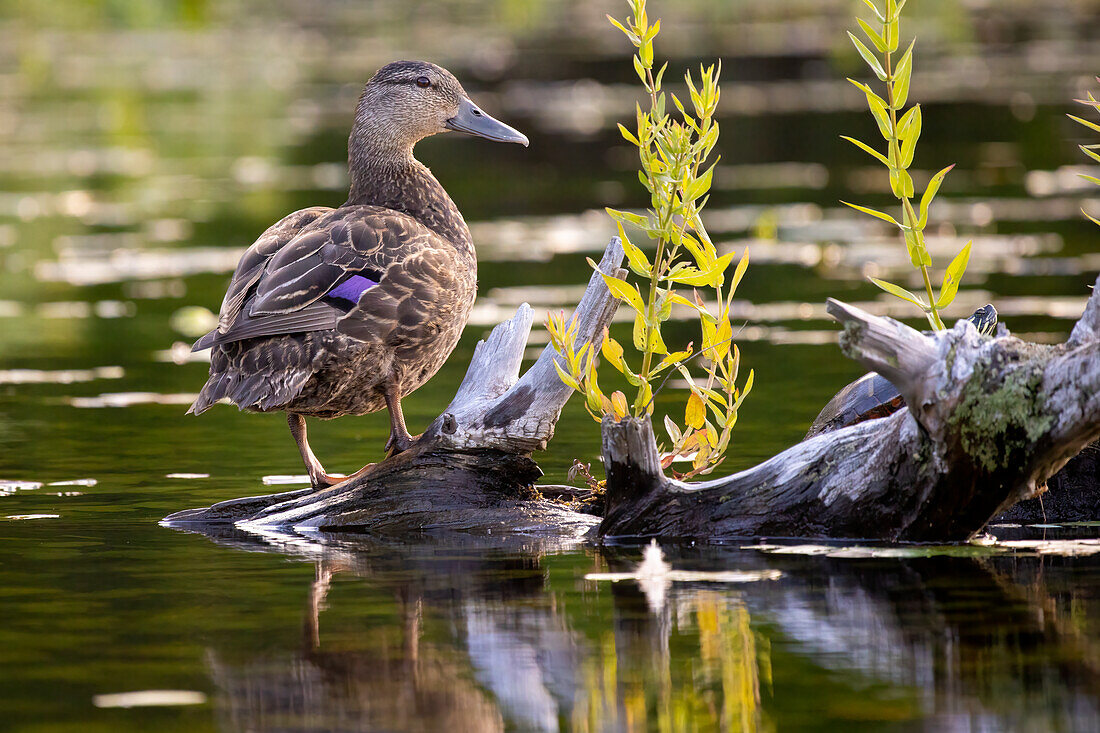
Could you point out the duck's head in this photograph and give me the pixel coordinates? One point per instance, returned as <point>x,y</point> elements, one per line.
<point>407,101</point>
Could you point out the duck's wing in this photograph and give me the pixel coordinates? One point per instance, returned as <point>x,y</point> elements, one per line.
<point>252,262</point>
<point>321,274</point>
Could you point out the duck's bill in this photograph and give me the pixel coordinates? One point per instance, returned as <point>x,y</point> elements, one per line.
<point>472,121</point>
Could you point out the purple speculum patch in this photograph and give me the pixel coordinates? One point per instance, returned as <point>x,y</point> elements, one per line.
<point>352,288</point>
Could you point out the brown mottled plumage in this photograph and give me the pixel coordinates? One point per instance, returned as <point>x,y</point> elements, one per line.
<point>344,311</point>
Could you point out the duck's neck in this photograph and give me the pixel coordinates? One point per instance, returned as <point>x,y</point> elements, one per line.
<point>398,181</point>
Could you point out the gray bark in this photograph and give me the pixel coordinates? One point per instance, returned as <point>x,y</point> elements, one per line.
<point>988,420</point>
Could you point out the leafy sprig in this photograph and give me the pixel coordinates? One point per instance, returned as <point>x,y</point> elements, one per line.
<point>900,130</point>
<point>1089,150</point>
<point>676,169</point>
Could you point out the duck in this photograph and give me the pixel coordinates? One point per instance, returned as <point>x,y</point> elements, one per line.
<point>346,311</point>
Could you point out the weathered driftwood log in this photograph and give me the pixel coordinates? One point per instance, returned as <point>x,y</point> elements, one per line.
<point>988,421</point>
<point>472,468</point>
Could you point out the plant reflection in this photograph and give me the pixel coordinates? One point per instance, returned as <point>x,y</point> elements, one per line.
<point>507,635</point>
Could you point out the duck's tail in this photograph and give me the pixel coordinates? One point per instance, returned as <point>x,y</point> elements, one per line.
<point>250,383</point>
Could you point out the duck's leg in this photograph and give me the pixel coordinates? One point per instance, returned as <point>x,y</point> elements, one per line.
<point>317,475</point>
<point>400,440</point>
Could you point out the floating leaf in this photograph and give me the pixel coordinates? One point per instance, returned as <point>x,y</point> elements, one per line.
<point>953,277</point>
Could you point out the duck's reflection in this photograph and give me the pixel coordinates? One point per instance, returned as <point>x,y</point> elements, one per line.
<point>486,636</point>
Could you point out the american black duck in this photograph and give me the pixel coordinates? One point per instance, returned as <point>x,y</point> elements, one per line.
<point>344,311</point>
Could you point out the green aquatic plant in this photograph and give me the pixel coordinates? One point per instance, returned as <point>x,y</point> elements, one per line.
<point>683,268</point>
<point>900,130</point>
<point>1089,150</point>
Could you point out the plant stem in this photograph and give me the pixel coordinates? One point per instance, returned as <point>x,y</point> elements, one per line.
<point>907,206</point>
<point>654,275</point>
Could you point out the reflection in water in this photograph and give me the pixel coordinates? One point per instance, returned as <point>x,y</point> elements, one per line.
<point>506,634</point>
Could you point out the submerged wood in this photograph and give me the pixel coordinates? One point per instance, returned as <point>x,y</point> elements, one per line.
<point>472,468</point>
<point>988,421</point>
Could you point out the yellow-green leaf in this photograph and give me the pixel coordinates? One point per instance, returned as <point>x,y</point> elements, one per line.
<point>901,183</point>
<point>639,331</point>
<point>953,277</point>
<point>867,149</point>
<point>712,277</point>
<point>899,292</point>
<point>694,412</point>
<point>869,57</point>
<point>875,10</point>
<point>722,337</point>
<point>879,112</point>
<point>906,122</point>
<point>612,350</point>
<point>637,260</point>
<point>929,194</point>
<point>568,380</point>
<point>873,35</point>
<point>902,75</point>
<point>909,146</point>
<point>1086,123</point>
<point>624,291</point>
<point>1091,153</point>
<point>877,214</point>
<point>893,29</point>
<point>742,266</point>
<point>618,403</point>
<point>672,359</point>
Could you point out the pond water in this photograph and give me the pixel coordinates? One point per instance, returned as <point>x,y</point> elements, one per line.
<point>143,145</point>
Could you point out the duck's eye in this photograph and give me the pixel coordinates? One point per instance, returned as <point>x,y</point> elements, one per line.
<point>423,82</point>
